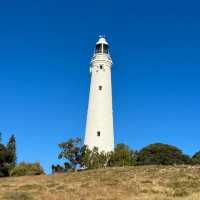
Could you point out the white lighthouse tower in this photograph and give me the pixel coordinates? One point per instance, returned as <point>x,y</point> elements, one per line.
<point>99,127</point>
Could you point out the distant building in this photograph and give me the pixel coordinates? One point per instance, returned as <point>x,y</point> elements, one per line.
<point>99,127</point>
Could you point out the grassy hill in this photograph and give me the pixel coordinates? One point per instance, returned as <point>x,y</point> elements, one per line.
<point>128,183</point>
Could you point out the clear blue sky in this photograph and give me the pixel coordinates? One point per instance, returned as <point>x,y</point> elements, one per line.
<point>45,51</point>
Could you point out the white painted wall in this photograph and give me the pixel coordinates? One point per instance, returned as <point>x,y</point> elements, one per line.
<point>100,114</point>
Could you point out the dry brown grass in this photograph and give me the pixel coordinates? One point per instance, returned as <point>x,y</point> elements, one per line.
<point>128,183</point>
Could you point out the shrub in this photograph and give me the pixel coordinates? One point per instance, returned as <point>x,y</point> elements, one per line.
<point>93,159</point>
<point>23,169</point>
<point>196,158</point>
<point>163,154</point>
<point>122,156</point>
<point>60,169</point>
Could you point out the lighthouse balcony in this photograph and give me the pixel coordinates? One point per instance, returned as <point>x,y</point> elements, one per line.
<point>101,57</point>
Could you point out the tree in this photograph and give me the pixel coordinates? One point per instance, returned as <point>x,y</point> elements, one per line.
<point>161,154</point>
<point>4,164</point>
<point>0,137</point>
<point>122,156</point>
<point>72,151</point>
<point>11,147</point>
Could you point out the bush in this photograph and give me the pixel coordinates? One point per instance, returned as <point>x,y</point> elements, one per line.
<point>196,158</point>
<point>161,154</point>
<point>122,156</point>
<point>24,169</point>
<point>61,169</point>
<point>93,159</point>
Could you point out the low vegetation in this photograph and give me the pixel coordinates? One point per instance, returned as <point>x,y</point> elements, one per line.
<point>77,156</point>
<point>118,183</point>
<point>8,161</point>
<point>27,169</point>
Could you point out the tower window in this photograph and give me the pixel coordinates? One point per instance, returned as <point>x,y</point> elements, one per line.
<point>98,48</point>
<point>98,133</point>
<point>100,87</point>
<point>101,66</point>
<point>105,48</point>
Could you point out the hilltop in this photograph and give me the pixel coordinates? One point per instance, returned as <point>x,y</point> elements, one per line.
<point>128,183</point>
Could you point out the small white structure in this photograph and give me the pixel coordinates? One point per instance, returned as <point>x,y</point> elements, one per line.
<point>99,127</point>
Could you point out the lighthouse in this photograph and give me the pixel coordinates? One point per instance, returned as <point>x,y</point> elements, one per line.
<point>99,126</point>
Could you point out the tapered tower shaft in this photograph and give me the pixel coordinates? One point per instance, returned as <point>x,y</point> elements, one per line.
<point>99,127</point>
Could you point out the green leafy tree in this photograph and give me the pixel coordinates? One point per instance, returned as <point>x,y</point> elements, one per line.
<point>7,156</point>
<point>122,156</point>
<point>4,158</point>
<point>161,154</point>
<point>72,151</point>
<point>11,147</point>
